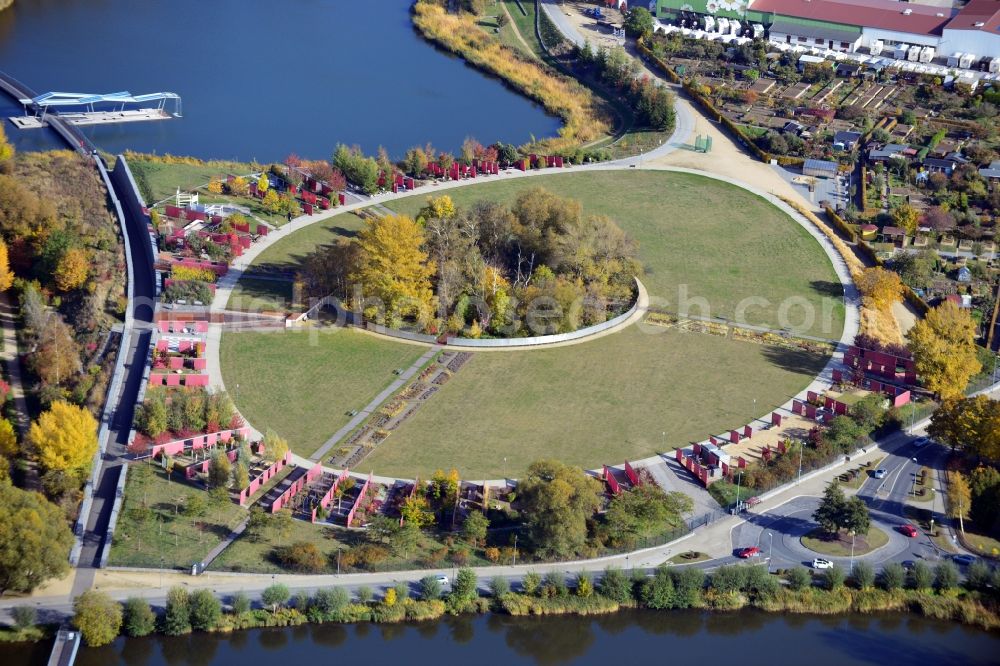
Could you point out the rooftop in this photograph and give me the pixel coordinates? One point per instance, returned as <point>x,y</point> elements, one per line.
<point>885,14</point>
<point>977,15</point>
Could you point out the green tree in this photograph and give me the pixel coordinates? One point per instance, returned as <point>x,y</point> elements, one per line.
<point>658,592</point>
<point>474,528</point>
<point>921,576</point>
<point>799,578</point>
<point>240,603</point>
<point>557,502</point>
<point>430,588</point>
<point>241,474</point>
<point>465,585</point>
<point>177,617</point>
<point>25,617</point>
<point>830,512</point>
<point>138,618</point>
<point>893,577</point>
<point>499,587</point>
<point>943,344</point>
<point>274,596</point>
<point>206,610</point>
<point>833,578</point>
<point>531,582</point>
<point>644,510</point>
<point>945,576</point>
<point>615,585</point>
<point>98,617</point>
<point>906,217</point>
<point>863,575</point>
<point>856,517</point>
<point>34,540</point>
<point>219,470</point>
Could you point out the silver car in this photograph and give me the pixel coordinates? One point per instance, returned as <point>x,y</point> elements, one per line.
<point>880,473</point>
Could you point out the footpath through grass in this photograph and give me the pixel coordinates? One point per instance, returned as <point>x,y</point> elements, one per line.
<point>304,383</point>
<point>603,401</point>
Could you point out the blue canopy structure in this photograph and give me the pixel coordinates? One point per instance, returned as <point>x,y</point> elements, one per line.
<point>49,100</point>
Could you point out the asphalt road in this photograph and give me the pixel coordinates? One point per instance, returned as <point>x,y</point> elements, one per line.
<point>778,533</point>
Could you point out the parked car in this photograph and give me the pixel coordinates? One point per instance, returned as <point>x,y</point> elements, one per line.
<point>921,441</point>
<point>820,563</point>
<point>880,473</point>
<point>963,559</point>
<point>443,581</point>
<point>909,564</point>
<point>749,551</point>
<point>908,530</point>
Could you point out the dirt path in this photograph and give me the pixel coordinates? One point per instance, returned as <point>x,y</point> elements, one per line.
<point>517,33</point>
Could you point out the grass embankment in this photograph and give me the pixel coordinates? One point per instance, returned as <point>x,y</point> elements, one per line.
<point>584,117</point>
<point>303,384</point>
<point>159,176</point>
<point>840,545</point>
<point>602,401</point>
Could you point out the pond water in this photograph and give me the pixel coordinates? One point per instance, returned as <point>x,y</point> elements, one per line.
<point>746,638</point>
<point>259,79</point>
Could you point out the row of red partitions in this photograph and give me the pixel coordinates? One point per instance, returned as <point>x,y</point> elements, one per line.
<point>614,487</point>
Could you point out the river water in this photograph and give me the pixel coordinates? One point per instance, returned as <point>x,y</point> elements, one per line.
<point>746,638</point>
<point>259,78</point>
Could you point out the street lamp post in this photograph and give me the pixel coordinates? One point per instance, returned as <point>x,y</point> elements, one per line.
<point>802,449</point>
<point>739,480</point>
<point>852,549</point>
<point>515,550</point>
<point>505,468</point>
<point>770,549</point>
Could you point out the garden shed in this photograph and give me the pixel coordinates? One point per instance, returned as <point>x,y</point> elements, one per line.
<point>819,168</point>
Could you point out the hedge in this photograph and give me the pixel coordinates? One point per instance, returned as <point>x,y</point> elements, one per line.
<point>840,224</point>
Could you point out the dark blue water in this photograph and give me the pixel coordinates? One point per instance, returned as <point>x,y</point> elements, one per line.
<point>635,637</point>
<point>259,78</point>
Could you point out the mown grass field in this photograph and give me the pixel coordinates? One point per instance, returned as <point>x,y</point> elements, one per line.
<point>603,401</point>
<point>260,295</point>
<point>698,239</point>
<point>303,384</point>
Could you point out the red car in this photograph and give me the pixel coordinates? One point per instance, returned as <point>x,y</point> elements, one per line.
<point>748,552</point>
<point>908,530</point>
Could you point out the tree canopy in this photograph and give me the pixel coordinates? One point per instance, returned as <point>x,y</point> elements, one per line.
<point>34,540</point>
<point>944,349</point>
<point>65,437</point>
<point>557,501</point>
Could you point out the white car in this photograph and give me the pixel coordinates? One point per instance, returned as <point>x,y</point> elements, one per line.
<point>443,581</point>
<point>880,473</point>
<point>820,563</point>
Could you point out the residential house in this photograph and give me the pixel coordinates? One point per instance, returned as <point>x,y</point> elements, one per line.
<point>845,140</point>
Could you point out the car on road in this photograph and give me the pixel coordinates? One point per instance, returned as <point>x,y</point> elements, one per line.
<point>443,581</point>
<point>908,530</point>
<point>963,559</point>
<point>748,552</point>
<point>880,473</point>
<point>820,563</point>
<point>921,441</point>
<point>909,564</point>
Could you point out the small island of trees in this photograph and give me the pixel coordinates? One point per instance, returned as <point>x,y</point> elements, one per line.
<point>536,267</point>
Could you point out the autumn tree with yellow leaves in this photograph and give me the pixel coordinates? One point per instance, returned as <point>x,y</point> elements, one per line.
<point>64,437</point>
<point>879,288</point>
<point>394,269</point>
<point>72,270</point>
<point>6,275</point>
<point>944,349</point>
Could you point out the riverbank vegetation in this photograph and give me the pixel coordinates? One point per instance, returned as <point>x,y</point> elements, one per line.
<point>585,118</point>
<point>483,270</point>
<point>931,593</point>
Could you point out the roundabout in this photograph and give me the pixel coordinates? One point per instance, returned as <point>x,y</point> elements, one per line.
<point>706,246</point>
